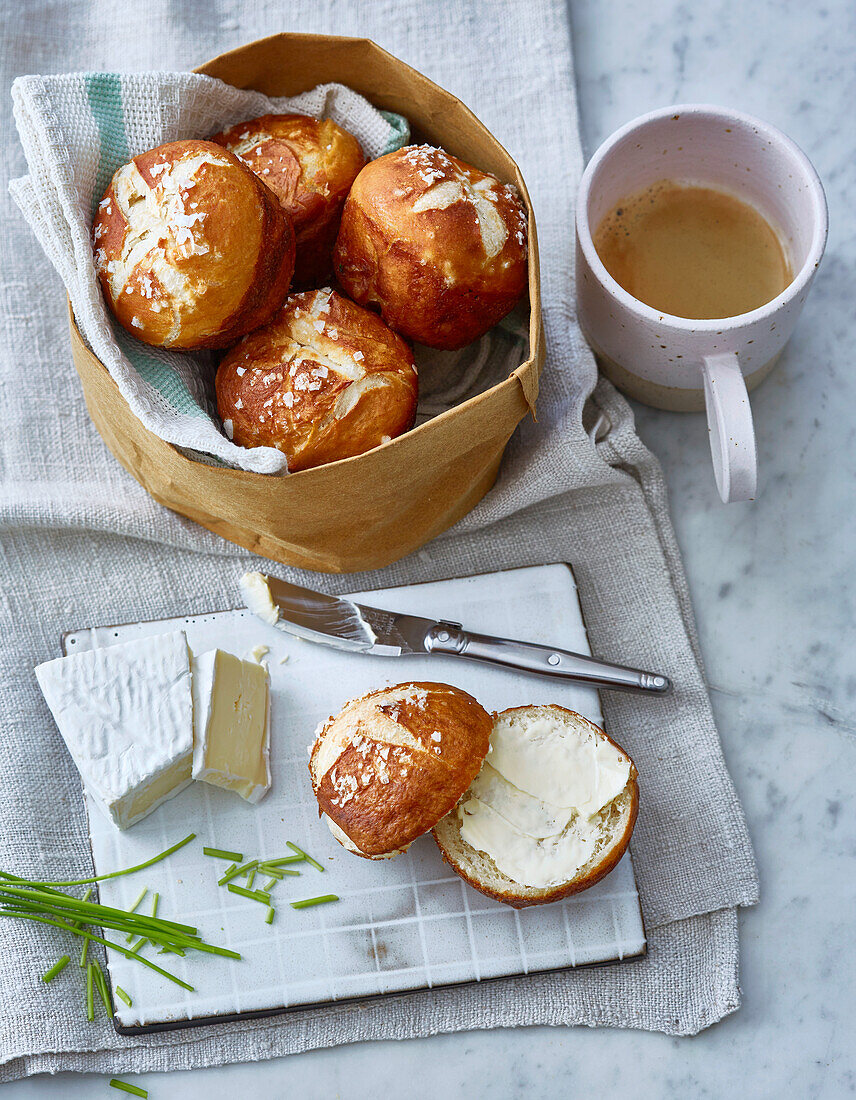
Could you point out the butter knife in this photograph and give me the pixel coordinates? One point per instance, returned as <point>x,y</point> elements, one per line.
<point>358,628</point>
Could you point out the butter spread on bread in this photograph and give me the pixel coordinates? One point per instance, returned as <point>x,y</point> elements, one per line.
<point>550,812</point>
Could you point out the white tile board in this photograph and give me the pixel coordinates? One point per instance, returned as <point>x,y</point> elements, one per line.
<point>401,924</point>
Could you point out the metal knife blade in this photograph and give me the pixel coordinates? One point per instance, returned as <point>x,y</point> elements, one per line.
<point>343,624</point>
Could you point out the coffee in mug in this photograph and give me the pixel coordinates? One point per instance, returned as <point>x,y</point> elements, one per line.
<point>692,251</point>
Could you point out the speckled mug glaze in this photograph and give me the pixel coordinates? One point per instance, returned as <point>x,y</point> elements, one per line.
<point>685,364</point>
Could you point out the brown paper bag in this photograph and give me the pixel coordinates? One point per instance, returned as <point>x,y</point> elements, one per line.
<point>364,512</point>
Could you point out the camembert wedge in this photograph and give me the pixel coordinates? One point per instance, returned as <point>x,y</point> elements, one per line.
<point>125,713</point>
<point>232,724</point>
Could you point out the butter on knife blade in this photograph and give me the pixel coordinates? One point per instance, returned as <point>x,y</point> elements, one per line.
<point>257,597</point>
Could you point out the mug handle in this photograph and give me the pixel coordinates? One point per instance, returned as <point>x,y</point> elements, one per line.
<point>729,421</point>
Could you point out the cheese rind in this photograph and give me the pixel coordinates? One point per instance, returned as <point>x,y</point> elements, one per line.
<point>125,713</point>
<point>231,705</point>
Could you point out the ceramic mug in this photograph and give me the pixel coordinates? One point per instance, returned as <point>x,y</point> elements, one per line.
<point>675,362</point>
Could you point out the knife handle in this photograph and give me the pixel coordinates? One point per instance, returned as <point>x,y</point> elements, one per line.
<point>452,640</point>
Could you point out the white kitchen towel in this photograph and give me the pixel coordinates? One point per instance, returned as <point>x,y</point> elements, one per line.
<point>76,131</point>
<point>83,543</point>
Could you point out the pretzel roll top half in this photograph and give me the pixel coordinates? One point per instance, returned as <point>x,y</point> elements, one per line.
<point>390,765</point>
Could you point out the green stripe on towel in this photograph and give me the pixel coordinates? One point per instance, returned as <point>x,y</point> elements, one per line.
<point>160,376</point>
<point>401,131</point>
<point>104,92</point>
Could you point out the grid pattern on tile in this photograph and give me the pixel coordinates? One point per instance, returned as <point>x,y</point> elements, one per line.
<point>400,924</point>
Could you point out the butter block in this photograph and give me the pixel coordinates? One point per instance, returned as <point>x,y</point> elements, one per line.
<point>231,713</point>
<point>125,713</point>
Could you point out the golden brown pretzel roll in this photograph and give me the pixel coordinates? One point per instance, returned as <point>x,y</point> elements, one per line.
<point>437,244</point>
<point>191,249</point>
<point>390,765</point>
<point>325,380</point>
<point>309,164</point>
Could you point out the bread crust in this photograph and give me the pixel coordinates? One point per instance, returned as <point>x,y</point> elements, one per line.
<point>309,164</point>
<point>391,764</point>
<point>436,244</point>
<point>191,250</point>
<point>325,380</point>
<point>447,836</point>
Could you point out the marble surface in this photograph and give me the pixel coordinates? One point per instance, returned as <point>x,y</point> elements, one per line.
<point>774,598</point>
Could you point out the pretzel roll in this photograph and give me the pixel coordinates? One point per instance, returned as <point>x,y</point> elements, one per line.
<point>325,380</point>
<point>309,164</point>
<point>191,249</point>
<point>390,765</point>
<point>438,245</point>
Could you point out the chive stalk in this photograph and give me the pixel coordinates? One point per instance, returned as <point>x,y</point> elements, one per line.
<point>123,1086</point>
<point>271,913</point>
<point>133,908</point>
<point>220,853</point>
<point>254,895</point>
<point>304,855</point>
<point>101,986</point>
<point>90,1001</point>
<point>138,902</point>
<point>306,902</point>
<point>57,968</point>
<point>273,872</point>
<point>118,947</point>
<point>236,872</point>
<point>123,996</point>
<point>33,897</point>
<point>116,874</point>
<point>44,903</point>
